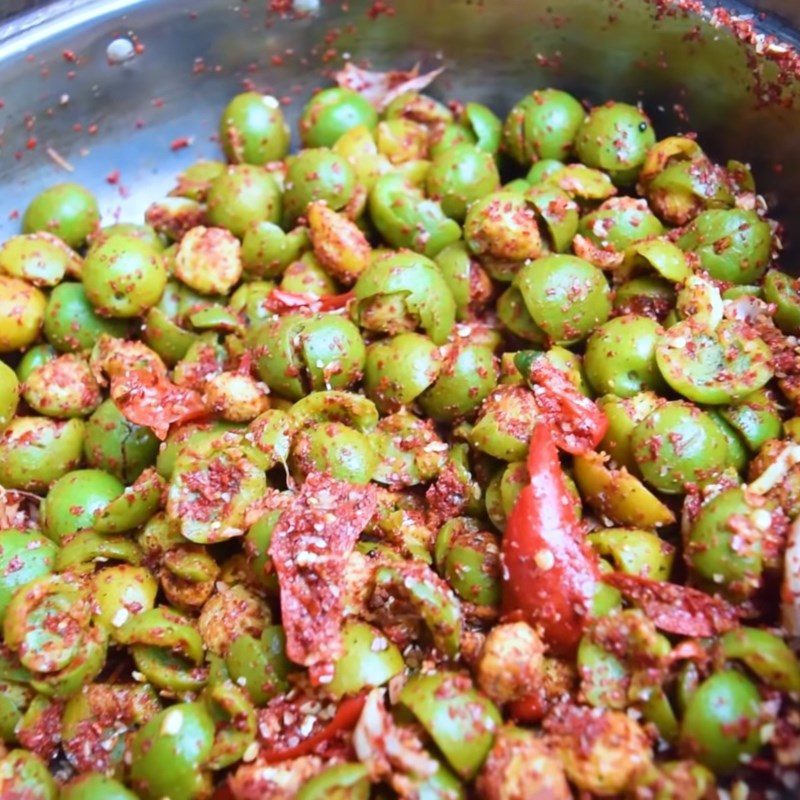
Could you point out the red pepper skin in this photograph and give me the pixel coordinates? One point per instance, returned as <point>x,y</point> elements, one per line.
<point>282,302</point>
<point>550,575</point>
<point>676,609</point>
<point>344,719</point>
<point>223,792</point>
<point>529,709</point>
<point>151,399</point>
<point>577,424</point>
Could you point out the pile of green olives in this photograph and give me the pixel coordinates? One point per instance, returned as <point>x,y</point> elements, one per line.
<point>186,613</point>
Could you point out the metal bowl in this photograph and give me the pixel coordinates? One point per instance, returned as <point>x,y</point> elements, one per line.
<point>68,114</point>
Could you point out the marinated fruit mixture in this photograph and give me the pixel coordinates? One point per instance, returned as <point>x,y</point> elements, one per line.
<point>445,457</point>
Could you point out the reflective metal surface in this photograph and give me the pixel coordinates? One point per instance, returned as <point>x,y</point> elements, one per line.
<point>102,119</point>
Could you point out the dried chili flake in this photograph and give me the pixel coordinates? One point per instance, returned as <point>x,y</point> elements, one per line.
<point>310,546</point>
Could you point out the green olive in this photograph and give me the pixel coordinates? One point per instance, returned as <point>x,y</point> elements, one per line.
<point>717,554</point>
<point>340,782</point>
<point>686,779</point>
<point>331,113</point>
<point>513,314</point>
<point>541,170</point>
<point>118,446</point>
<point>295,353</point>
<point>24,556</point>
<point>333,352</point>
<point>267,251</point>
<point>22,312</point>
<point>398,369</point>
<point>648,295</point>
<point>755,417</point>
<point>635,552</point>
<point>783,290</point>
<point>621,356</point>
<point>766,654</point>
<point>243,195</point>
<point>35,451</point>
<point>39,258</point>
<point>566,297</point>
<point>71,322</point>
<point>260,664</point>
<point>252,129</point>
<point>543,125</point>
<point>615,137</point>
<point>74,500</point>
<point>676,445</point>
<point>408,449</point>
<point>737,451</point>
<point>418,107</point>
<point>459,176</point>
<point>24,775</point>
<point>405,218</point>
<point>620,222</point>
<point>35,357</point>
<point>66,210</point>
<point>619,495</point>
<point>468,374</point>
<point>402,292</point>
<point>558,213</point>
<point>308,276</point>
<point>502,226</point>
<point>169,752</point>
<point>9,394</point>
<point>721,723</point>
<point>505,423</point>
<point>368,660</point>
<point>334,448</point>
<point>63,387</point>
<point>317,174</point>
<point>733,244</point>
<point>123,277</point>
<point>469,283</point>
<point>146,233</point>
<point>656,255</point>
<point>120,591</point>
<point>451,134</point>
<point>200,463</point>
<point>684,188</point>
<point>94,786</point>
<point>459,719</point>
<point>401,140</point>
<point>713,366</point>
<point>469,558</point>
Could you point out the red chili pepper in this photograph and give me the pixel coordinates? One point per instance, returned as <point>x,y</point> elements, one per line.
<point>673,608</point>
<point>223,791</point>
<point>281,302</point>
<point>529,709</point>
<point>577,423</point>
<point>151,399</point>
<point>550,575</point>
<point>344,719</point>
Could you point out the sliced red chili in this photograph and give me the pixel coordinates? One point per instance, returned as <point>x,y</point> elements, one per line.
<point>151,399</point>
<point>673,608</point>
<point>311,543</point>
<point>281,302</point>
<point>344,719</point>
<point>528,709</point>
<point>550,575</point>
<point>576,423</point>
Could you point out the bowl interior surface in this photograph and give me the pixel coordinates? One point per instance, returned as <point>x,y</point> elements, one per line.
<point>67,114</point>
